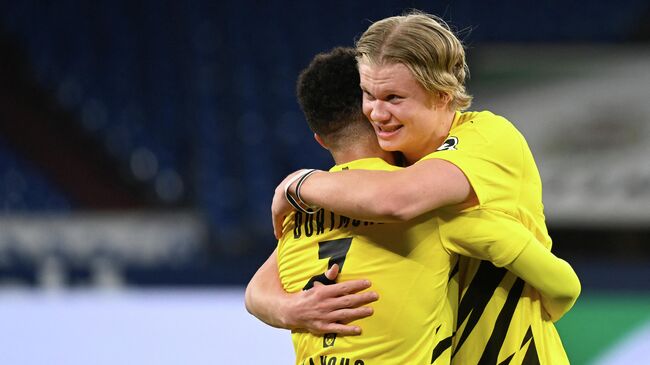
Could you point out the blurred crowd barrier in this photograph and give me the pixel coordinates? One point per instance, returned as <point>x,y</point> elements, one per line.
<point>55,251</point>
<point>585,113</point>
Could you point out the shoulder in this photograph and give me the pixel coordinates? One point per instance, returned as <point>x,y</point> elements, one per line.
<point>484,121</point>
<point>485,127</point>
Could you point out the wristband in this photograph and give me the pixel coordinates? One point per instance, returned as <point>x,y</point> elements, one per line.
<point>305,208</point>
<point>299,185</point>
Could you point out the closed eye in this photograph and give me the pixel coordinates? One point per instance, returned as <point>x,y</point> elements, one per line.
<point>393,98</point>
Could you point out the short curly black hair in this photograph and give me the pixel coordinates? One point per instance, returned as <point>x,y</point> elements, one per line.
<point>329,93</point>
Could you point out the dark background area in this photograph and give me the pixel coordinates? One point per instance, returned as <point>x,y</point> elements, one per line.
<point>165,106</point>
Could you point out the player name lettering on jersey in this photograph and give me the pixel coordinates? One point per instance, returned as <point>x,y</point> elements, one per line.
<point>333,360</point>
<point>322,221</point>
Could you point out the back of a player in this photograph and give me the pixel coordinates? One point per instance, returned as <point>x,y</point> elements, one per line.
<point>500,320</point>
<point>408,268</point>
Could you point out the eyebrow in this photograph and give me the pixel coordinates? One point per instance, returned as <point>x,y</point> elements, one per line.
<point>384,93</point>
<point>365,90</point>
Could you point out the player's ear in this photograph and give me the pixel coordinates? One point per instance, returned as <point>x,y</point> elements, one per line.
<point>320,141</point>
<point>443,99</point>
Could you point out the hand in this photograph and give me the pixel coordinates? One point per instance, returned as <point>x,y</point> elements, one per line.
<point>328,308</point>
<point>280,207</point>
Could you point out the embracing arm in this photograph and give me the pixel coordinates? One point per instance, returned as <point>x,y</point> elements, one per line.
<point>500,238</point>
<point>321,309</point>
<point>553,277</point>
<point>388,196</point>
<point>265,296</point>
<point>380,196</point>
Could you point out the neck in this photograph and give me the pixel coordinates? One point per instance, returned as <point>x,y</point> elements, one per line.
<point>345,157</point>
<point>358,152</point>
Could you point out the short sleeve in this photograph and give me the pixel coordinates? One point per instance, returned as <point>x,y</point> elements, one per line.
<point>489,152</point>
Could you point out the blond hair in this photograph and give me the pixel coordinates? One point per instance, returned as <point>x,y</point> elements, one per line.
<point>424,44</point>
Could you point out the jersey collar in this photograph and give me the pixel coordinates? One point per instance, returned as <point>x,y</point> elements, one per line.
<point>360,164</point>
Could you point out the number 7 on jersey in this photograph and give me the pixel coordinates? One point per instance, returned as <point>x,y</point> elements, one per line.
<point>337,251</point>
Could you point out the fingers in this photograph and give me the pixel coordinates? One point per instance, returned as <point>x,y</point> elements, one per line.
<point>348,315</point>
<point>278,212</point>
<point>341,329</point>
<point>329,308</point>
<point>345,295</point>
<point>346,287</point>
<point>337,322</point>
<point>333,272</point>
<point>277,226</point>
<point>353,300</point>
<point>343,300</point>
<point>280,207</point>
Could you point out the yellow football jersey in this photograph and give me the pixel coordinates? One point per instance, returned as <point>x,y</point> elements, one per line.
<point>499,316</point>
<point>408,266</point>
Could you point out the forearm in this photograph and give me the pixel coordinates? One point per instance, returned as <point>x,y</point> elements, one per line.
<point>553,277</point>
<point>357,194</point>
<point>385,196</point>
<point>265,297</point>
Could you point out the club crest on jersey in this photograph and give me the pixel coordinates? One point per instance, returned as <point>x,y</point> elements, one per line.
<point>328,339</point>
<point>450,144</point>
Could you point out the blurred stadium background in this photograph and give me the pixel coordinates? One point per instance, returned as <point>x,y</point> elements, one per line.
<point>140,143</point>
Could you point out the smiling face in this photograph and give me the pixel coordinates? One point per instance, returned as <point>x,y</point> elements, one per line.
<point>406,117</point>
